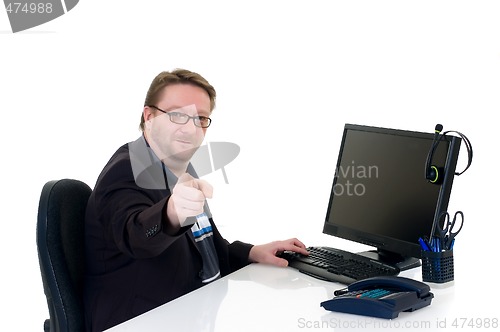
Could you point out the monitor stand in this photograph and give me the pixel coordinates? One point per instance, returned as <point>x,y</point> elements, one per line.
<point>403,263</point>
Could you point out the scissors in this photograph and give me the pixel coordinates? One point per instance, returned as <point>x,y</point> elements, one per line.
<point>446,233</point>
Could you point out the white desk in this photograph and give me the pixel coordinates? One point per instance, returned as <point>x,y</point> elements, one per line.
<point>267,298</point>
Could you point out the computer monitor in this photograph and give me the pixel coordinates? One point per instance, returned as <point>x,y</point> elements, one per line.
<point>380,195</point>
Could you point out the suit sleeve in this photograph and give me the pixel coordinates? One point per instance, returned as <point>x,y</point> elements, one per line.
<point>132,216</point>
<point>233,256</point>
<point>238,254</point>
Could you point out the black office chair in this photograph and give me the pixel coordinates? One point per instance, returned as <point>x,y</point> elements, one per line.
<point>60,244</point>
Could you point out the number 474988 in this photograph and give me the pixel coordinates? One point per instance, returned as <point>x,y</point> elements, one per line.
<point>29,8</point>
<point>475,323</point>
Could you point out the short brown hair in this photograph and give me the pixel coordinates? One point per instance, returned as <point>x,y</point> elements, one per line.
<point>177,76</point>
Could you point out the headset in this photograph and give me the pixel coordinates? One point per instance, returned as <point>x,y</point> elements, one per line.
<point>435,174</point>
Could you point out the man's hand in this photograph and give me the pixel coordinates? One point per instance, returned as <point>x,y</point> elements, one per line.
<point>187,199</point>
<point>266,253</point>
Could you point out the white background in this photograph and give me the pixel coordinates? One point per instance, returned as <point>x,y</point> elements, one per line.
<point>289,75</point>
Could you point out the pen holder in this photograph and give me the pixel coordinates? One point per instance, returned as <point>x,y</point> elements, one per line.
<point>437,266</point>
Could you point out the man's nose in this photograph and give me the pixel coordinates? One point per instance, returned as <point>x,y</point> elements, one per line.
<point>189,126</point>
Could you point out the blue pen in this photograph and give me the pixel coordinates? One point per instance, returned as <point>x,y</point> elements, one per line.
<point>435,244</point>
<point>424,245</point>
<point>432,242</point>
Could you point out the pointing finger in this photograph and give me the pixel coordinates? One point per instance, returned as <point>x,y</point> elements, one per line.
<point>205,187</point>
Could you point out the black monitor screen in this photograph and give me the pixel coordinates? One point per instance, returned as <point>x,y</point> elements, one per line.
<point>380,195</point>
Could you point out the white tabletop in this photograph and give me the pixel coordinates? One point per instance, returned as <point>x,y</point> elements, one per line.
<point>267,298</point>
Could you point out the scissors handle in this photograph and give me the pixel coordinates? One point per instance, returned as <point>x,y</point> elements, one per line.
<point>452,225</point>
<point>445,233</point>
<point>451,235</point>
<point>443,230</point>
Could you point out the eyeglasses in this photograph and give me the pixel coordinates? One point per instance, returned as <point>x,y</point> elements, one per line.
<point>181,118</point>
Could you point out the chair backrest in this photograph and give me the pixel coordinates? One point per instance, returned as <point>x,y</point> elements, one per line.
<point>60,244</point>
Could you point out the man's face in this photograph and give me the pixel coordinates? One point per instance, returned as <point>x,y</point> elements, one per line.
<point>173,141</point>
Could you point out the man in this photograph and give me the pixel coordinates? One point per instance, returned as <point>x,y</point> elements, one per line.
<point>149,233</point>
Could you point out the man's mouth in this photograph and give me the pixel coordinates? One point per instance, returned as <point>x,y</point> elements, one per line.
<point>184,141</point>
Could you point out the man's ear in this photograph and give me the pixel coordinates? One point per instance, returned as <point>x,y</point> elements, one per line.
<point>147,114</point>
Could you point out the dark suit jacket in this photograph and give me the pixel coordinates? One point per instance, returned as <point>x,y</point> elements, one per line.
<point>132,264</point>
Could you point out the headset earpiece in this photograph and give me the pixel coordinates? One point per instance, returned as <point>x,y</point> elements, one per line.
<point>435,174</point>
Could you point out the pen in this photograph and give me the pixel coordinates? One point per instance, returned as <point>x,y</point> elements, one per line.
<point>435,244</point>
<point>423,244</point>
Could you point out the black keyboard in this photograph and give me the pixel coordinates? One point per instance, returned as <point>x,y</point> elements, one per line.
<point>337,265</point>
